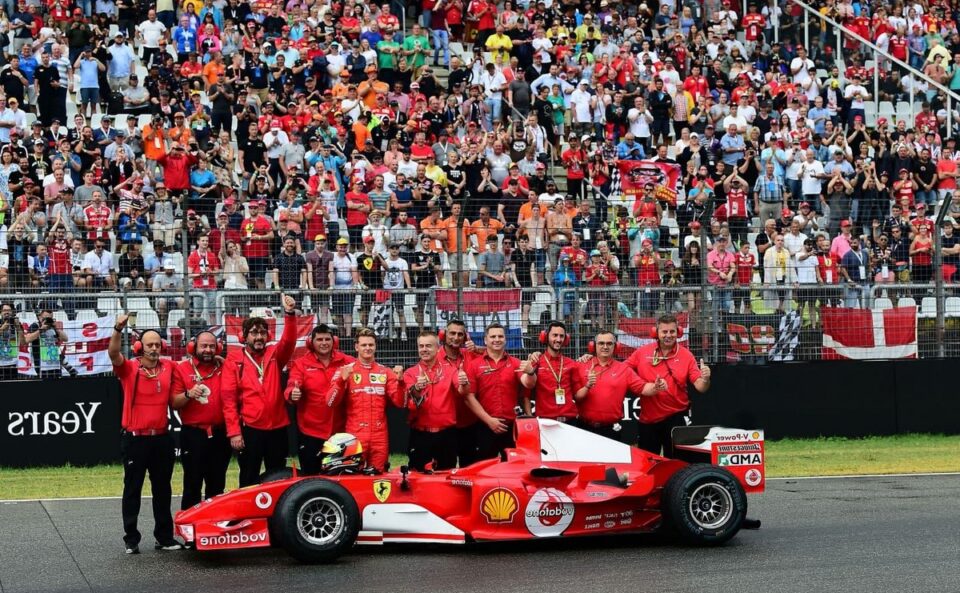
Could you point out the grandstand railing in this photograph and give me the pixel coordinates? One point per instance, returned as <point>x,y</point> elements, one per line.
<point>952,97</point>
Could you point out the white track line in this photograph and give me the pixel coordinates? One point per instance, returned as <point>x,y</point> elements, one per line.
<point>844,477</point>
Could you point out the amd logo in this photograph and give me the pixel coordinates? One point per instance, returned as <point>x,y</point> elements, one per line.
<point>53,423</point>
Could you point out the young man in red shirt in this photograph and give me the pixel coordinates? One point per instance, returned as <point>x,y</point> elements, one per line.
<point>491,385</point>
<point>359,207</point>
<point>666,368</point>
<point>204,265</point>
<point>574,160</point>
<point>253,406</point>
<point>745,262</point>
<point>552,377</point>
<point>149,384</point>
<point>457,350</point>
<point>307,388</point>
<point>605,383</point>
<point>204,447</point>
<point>432,393</point>
<point>257,232</point>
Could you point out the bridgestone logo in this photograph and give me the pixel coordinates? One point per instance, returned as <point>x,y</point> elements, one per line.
<point>233,539</point>
<point>550,512</point>
<point>745,448</point>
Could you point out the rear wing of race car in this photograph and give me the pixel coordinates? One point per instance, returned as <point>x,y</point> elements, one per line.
<point>737,450</point>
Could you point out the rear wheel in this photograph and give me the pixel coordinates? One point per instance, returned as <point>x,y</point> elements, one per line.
<point>316,521</point>
<point>703,504</point>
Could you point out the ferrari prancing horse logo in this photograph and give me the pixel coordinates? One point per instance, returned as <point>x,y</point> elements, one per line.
<point>357,377</point>
<point>381,489</point>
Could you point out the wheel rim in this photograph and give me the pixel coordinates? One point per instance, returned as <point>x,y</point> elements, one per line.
<point>711,505</point>
<point>320,521</point>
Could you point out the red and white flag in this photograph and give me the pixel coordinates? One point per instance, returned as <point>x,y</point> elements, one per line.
<point>862,334</point>
<point>633,332</point>
<point>233,326</point>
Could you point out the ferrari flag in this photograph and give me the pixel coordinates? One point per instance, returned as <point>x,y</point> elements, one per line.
<point>863,334</point>
<point>481,308</point>
<point>665,178</point>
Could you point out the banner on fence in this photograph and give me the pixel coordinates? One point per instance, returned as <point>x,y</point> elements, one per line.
<point>665,178</point>
<point>757,337</point>
<point>481,307</point>
<point>85,350</point>
<point>864,334</point>
<point>634,332</point>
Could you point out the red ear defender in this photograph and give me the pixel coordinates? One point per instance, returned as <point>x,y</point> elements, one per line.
<point>336,343</point>
<point>442,336</point>
<point>543,338</point>
<point>137,347</point>
<point>192,344</point>
<point>591,347</point>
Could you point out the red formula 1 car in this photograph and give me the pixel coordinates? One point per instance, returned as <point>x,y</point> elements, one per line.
<point>558,481</point>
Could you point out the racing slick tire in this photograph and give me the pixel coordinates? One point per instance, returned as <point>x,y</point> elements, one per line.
<point>276,475</point>
<point>316,521</point>
<point>703,505</point>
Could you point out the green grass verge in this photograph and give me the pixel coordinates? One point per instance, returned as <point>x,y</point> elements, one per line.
<point>788,457</point>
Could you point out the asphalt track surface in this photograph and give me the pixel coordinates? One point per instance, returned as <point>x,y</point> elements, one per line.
<point>875,534</point>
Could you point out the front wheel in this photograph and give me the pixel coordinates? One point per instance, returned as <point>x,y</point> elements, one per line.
<point>704,505</point>
<point>316,521</point>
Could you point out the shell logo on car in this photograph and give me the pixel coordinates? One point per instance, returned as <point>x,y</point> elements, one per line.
<point>499,505</point>
<point>549,512</point>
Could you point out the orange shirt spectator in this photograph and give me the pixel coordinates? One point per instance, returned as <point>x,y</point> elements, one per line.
<point>154,143</point>
<point>361,133</point>
<point>210,72</point>
<point>450,224</point>
<point>429,226</point>
<point>483,229</point>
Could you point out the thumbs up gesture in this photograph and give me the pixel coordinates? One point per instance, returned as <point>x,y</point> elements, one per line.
<point>591,378</point>
<point>704,370</point>
<point>345,371</point>
<point>288,303</point>
<point>422,381</point>
<point>462,378</point>
<point>660,384</point>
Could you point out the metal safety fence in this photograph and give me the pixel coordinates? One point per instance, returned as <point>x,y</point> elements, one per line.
<point>751,323</point>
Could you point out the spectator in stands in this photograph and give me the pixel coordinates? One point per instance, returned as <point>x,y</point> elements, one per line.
<point>98,267</point>
<point>203,266</point>
<point>289,267</point>
<point>131,270</point>
<point>721,270</point>
<point>854,266</point>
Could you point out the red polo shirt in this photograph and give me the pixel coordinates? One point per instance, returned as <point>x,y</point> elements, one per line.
<point>147,394</point>
<point>195,413</point>
<point>438,409</point>
<point>557,382</point>
<point>677,369</point>
<point>604,401</point>
<point>465,416</point>
<point>496,384</point>
<point>314,417</point>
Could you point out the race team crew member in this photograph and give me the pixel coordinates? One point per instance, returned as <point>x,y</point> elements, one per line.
<point>367,386</point>
<point>552,377</point>
<point>432,394</point>
<point>665,367</point>
<point>491,385</point>
<point>310,378</point>
<point>204,447</point>
<point>605,383</point>
<point>457,351</point>
<point>253,406</point>
<point>149,385</point>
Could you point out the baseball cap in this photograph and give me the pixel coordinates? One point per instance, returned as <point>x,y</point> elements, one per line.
<point>595,253</point>
<point>786,212</point>
<point>342,241</point>
<point>646,242</point>
<point>320,237</point>
<point>845,223</point>
<point>168,265</point>
<point>804,204</point>
<point>367,239</point>
<point>695,225</point>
